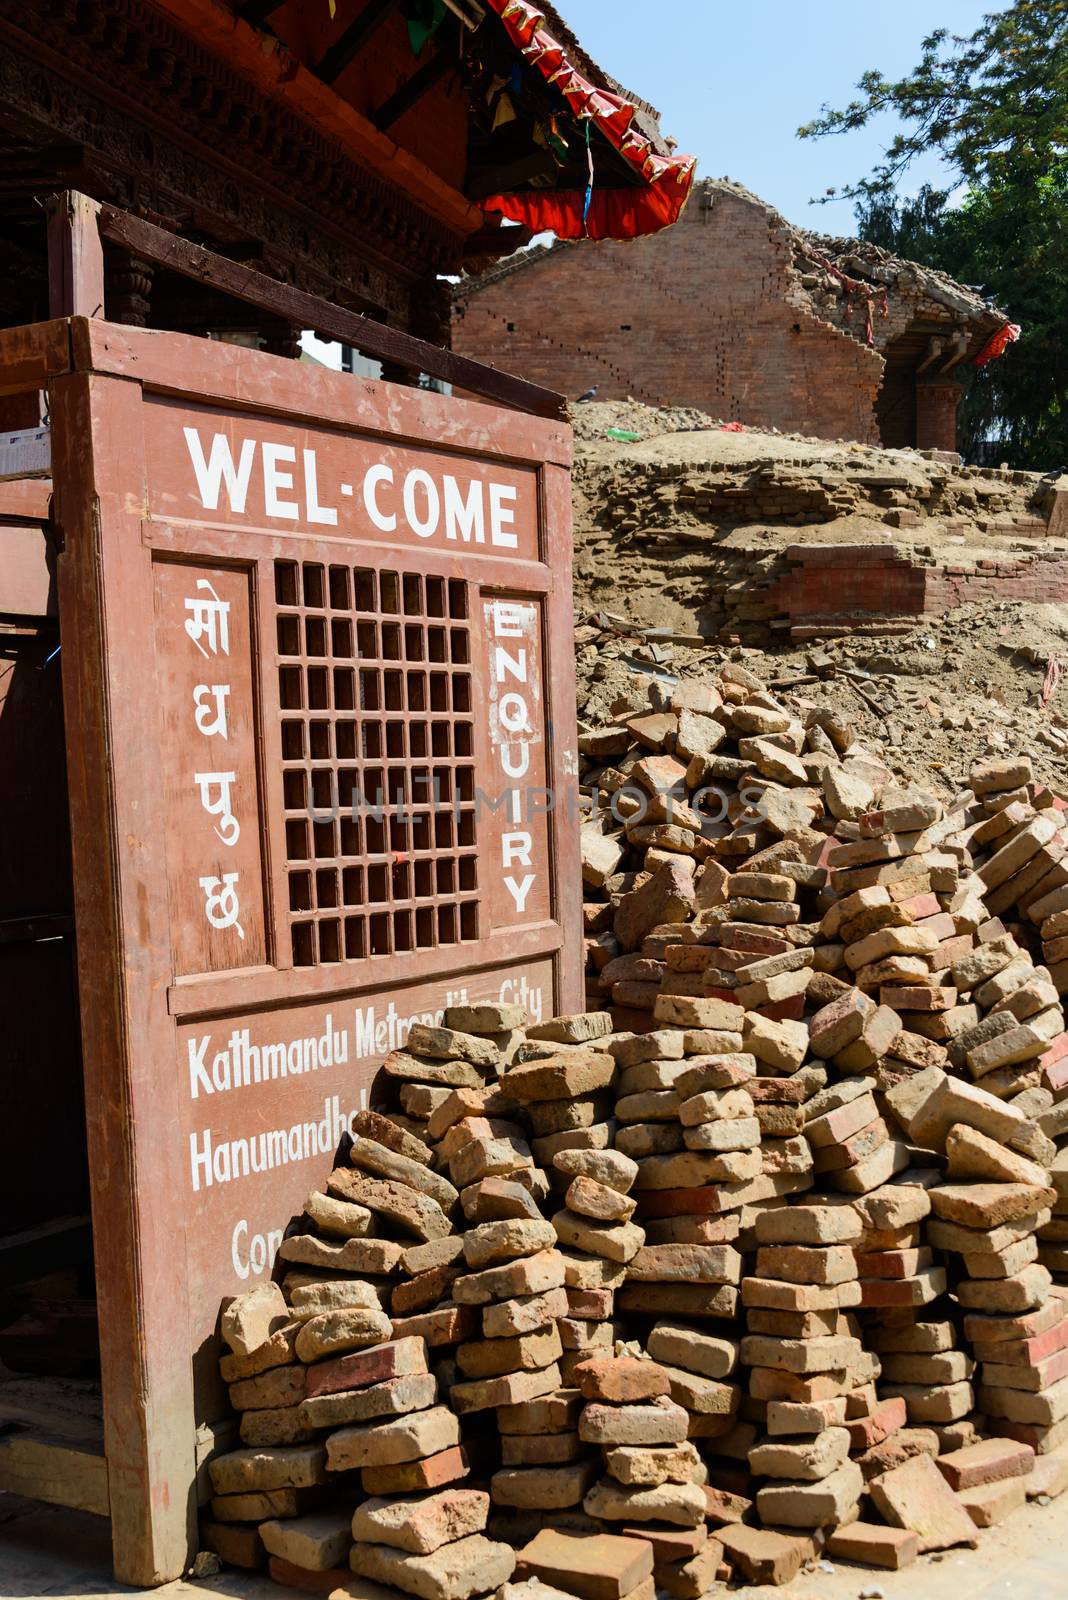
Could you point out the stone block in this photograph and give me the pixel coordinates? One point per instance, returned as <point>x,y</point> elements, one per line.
<point>336,1331</point>
<point>681,1504</point>
<point>762,1555</point>
<point>250,1319</point>
<point>871,1545</point>
<point>317,1542</point>
<point>289,1467</point>
<point>484,1394</point>
<point>457,1571</point>
<point>649,1466</point>
<point>658,1423</point>
<point>393,1397</point>
<point>692,1349</point>
<point>806,1460</point>
<point>423,1433</point>
<point>812,1505</point>
<point>917,1497</point>
<point>621,1380</point>
<point>601,1566</point>
<point>989,1461</point>
<point>413,1477</point>
<point>550,1488</point>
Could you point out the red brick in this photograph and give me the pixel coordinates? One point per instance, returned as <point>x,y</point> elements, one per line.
<point>865,1432</point>
<point>989,1461</point>
<point>304,1579</point>
<point>596,1567</point>
<point>872,1545</point>
<point>364,1367</point>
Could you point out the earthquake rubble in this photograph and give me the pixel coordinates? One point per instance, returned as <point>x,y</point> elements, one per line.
<point>761,1260</point>
<point>751,536</point>
<point>941,643</point>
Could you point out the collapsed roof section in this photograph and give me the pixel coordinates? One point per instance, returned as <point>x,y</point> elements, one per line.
<point>861,289</point>
<point>874,296</point>
<point>845,276</point>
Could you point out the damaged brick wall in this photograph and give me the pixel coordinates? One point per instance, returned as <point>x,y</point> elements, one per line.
<point>708,314</point>
<point>825,589</point>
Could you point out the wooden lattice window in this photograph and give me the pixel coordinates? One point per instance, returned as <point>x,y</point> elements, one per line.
<point>377,748</point>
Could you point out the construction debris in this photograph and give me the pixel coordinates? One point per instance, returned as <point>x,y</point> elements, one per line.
<point>760,1256</point>
<point>915,598</point>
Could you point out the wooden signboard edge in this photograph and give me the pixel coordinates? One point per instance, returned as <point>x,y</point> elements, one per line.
<point>106,617</point>
<point>561,733</point>
<point>210,373</point>
<point>301,310</point>
<point>33,354</point>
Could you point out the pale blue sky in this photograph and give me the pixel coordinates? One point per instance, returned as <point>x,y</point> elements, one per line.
<point>734,82</point>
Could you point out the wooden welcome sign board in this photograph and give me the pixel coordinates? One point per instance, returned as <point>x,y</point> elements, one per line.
<point>319,690</point>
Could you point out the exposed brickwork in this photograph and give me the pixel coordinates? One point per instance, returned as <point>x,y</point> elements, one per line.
<point>715,531</point>
<point>936,415</point>
<point>833,583</point>
<point>737,313</point>
<point>700,315</point>
<point>826,581</point>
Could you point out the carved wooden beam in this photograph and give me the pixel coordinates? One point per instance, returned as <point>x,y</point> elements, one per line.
<point>352,41</point>
<point>391,346</point>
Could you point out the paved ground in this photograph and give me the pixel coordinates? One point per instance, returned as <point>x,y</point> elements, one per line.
<point>47,1552</point>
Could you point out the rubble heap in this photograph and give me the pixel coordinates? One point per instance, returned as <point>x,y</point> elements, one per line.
<point>747,534</point>
<point>754,1259</point>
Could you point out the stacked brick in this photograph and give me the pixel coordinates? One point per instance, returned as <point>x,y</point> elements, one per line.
<point>1050,913</point>
<point>993,1225</point>
<point>986,1217</point>
<point>901,954</point>
<point>598,1184</point>
<point>924,1377</point>
<point>565,1082</point>
<point>363,1467</point>
<point>652,1471</point>
<point>506,1279</point>
<point>516,1283</point>
<point>804,1363</point>
<point>432,1547</point>
<point>765,1244</point>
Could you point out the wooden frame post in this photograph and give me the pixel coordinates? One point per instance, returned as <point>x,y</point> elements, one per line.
<point>132,1108</point>
<point>75,256</point>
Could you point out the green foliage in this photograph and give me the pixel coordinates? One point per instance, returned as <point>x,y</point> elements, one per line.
<point>912,228</point>
<point>994,106</point>
<point>1011,244</point>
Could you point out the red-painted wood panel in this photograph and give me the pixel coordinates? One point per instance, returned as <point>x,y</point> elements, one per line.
<point>320,707</point>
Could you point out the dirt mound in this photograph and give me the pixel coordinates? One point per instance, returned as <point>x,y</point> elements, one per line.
<point>681,538</point>
<point>592,420</point>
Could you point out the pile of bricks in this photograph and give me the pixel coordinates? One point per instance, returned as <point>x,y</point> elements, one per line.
<point>754,1261</point>
<point>822,591</point>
